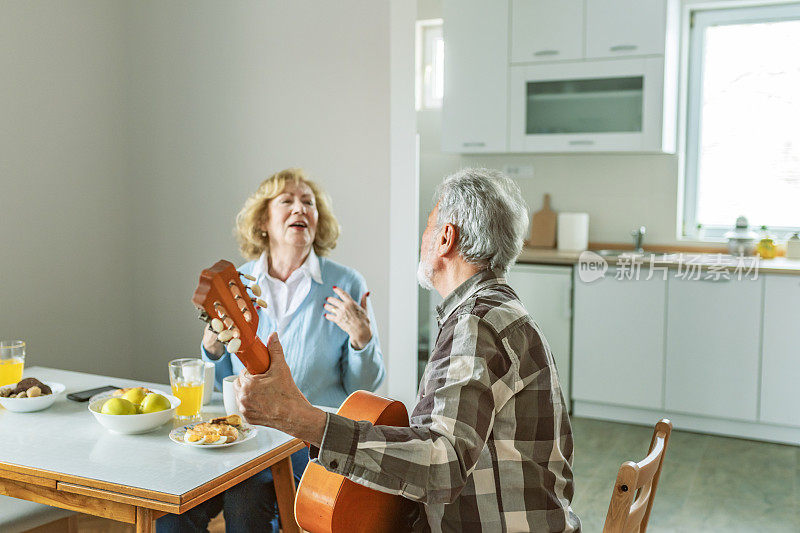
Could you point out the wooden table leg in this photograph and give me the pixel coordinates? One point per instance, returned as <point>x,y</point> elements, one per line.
<point>145,520</point>
<point>283,477</point>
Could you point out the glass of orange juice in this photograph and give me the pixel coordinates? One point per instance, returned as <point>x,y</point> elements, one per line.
<point>186,378</point>
<point>12,361</point>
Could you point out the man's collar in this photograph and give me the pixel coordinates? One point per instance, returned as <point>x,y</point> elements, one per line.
<point>311,265</point>
<point>478,281</point>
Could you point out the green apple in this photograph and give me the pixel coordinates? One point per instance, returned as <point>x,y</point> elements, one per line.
<point>118,406</point>
<point>155,402</point>
<point>135,396</point>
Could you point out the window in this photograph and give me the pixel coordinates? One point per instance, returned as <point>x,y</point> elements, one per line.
<point>743,126</point>
<point>430,64</point>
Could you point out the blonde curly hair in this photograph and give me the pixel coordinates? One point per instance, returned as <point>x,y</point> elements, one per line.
<point>254,213</point>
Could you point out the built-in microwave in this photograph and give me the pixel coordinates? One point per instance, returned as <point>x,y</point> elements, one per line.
<point>606,106</point>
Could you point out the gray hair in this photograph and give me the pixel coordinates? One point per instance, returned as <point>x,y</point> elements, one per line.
<point>489,212</point>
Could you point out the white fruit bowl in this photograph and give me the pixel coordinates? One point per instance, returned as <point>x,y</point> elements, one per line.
<point>133,424</point>
<point>37,403</point>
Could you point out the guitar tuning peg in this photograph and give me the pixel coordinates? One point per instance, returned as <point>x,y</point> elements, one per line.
<point>217,325</point>
<point>247,276</point>
<point>246,314</point>
<point>255,289</point>
<point>234,345</point>
<point>260,302</point>
<point>225,336</point>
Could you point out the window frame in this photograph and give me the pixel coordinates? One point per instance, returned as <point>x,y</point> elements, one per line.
<point>700,19</point>
<point>424,44</point>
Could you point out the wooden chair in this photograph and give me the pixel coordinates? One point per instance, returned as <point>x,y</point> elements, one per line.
<point>636,485</point>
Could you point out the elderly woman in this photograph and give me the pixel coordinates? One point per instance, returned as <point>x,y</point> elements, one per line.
<point>320,310</point>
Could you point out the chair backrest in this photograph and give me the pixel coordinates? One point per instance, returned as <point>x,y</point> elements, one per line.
<point>636,485</point>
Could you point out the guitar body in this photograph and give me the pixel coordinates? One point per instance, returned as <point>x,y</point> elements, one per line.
<point>330,503</point>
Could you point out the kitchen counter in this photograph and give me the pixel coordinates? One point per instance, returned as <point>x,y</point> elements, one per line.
<point>671,259</point>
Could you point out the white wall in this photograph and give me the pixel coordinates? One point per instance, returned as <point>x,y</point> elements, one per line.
<point>147,124</point>
<point>64,224</point>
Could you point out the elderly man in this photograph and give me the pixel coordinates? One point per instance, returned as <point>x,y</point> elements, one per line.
<point>490,442</point>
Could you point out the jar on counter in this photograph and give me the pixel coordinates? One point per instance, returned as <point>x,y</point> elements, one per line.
<point>793,247</point>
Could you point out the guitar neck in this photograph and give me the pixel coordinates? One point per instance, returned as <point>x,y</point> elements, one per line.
<point>255,357</point>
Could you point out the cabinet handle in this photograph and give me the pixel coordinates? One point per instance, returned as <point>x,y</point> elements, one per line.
<point>584,142</point>
<point>623,48</point>
<point>475,143</point>
<point>541,53</point>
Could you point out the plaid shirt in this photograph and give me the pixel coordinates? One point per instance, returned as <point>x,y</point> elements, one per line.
<point>490,442</point>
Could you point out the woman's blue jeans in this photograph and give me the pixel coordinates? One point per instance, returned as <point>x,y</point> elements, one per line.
<point>247,506</point>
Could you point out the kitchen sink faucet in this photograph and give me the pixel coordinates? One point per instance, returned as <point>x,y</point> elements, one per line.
<point>638,239</point>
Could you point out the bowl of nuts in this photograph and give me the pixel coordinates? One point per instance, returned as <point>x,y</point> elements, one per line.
<point>30,395</point>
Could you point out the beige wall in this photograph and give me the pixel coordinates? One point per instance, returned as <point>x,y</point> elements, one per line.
<point>138,129</point>
<point>65,276</point>
<point>228,93</point>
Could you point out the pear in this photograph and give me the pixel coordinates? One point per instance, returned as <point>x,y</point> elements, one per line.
<point>135,395</point>
<point>118,406</point>
<point>155,402</point>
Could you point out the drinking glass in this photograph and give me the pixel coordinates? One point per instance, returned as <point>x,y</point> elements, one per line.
<point>12,361</point>
<point>186,378</point>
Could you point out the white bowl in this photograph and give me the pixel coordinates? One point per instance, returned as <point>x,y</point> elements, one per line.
<point>37,403</point>
<point>132,424</point>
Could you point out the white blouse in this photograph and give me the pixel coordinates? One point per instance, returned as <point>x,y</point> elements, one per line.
<point>283,298</point>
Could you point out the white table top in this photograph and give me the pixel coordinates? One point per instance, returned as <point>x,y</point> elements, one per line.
<point>66,438</point>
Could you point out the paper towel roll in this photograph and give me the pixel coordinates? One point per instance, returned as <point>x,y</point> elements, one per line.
<point>573,232</point>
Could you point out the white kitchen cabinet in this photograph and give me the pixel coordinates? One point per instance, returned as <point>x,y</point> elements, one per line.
<point>780,367</point>
<point>546,292</point>
<point>619,28</point>
<point>474,114</point>
<point>546,30</point>
<point>713,341</point>
<point>618,341</point>
<point>598,106</point>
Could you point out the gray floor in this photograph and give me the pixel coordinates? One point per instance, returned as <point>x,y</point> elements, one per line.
<point>708,483</point>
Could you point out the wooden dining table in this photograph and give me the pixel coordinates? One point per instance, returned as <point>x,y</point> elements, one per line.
<point>63,457</point>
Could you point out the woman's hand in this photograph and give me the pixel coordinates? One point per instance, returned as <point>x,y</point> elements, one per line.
<point>350,316</point>
<point>211,344</point>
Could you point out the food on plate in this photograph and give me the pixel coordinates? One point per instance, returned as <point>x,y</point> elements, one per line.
<point>27,388</point>
<point>154,402</point>
<point>135,395</point>
<point>118,406</point>
<point>217,431</point>
<point>231,420</point>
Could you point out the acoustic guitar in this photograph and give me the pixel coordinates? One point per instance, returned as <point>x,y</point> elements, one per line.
<point>326,502</point>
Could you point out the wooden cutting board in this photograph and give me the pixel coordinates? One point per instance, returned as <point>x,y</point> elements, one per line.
<point>543,227</point>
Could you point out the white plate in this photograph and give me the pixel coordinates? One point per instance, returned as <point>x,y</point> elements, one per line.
<point>37,403</point>
<point>246,432</point>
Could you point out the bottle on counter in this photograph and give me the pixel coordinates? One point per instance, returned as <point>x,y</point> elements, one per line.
<point>766,246</point>
<point>793,246</point>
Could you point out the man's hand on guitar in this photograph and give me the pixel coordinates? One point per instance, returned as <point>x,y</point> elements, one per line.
<point>272,399</point>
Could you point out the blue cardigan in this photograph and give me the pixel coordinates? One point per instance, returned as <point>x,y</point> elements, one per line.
<point>324,365</point>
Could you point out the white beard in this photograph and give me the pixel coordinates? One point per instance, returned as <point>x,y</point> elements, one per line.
<point>425,275</point>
